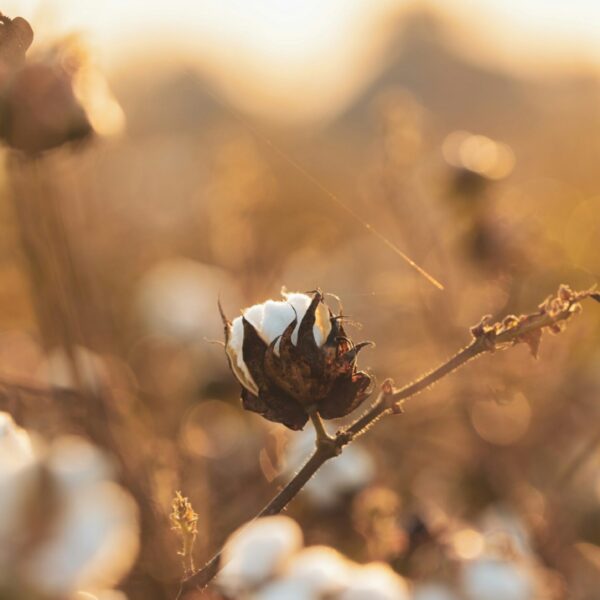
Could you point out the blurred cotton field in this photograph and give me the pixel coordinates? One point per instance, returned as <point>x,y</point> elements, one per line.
<point>420,164</point>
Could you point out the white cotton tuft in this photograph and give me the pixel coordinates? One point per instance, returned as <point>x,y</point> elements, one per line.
<point>433,591</point>
<point>256,552</point>
<point>177,297</point>
<point>375,581</point>
<point>17,481</point>
<point>322,568</point>
<point>270,320</point>
<point>347,473</point>
<point>315,572</point>
<point>16,450</point>
<point>494,579</point>
<point>93,538</point>
<point>288,589</point>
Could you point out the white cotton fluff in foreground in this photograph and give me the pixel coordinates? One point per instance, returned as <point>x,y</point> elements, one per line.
<point>270,320</point>
<point>93,539</point>
<point>349,472</point>
<point>17,478</point>
<point>433,591</point>
<point>91,532</point>
<point>375,581</point>
<point>256,552</point>
<point>494,579</point>
<point>288,589</point>
<point>315,572</point>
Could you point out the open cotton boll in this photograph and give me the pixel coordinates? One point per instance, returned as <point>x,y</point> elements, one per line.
<point>495,579</point>
<point>349,472</point>
<point>320,569</point>
<point>15,445</point>
<point>17,480</point>
<point>256,552</point>
<point>177,298</point>
<point>288,589</point>
<point>315,572</point>
<point>433,591</point>
<point>375,581</point>
<point>270,320</point>
<point>92,540</point>
<point>502,527</point>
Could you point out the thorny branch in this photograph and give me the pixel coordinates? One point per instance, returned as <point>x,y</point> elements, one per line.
<point>487,336</point>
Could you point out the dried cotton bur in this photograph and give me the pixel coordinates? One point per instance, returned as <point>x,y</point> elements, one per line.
<point>295,361</point>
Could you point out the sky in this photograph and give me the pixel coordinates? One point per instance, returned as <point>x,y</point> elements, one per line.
<point>310,56</point>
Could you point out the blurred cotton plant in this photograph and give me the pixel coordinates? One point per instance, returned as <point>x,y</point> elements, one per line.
<point>56,97</point>
<point>266,560</point>
<point>498,579</point>
<point>65,525</point>
<point>338,479</point>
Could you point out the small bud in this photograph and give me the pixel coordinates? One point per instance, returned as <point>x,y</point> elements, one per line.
<point>16,36</point>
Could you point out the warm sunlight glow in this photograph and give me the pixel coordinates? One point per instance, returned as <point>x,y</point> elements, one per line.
<point>308,59</point>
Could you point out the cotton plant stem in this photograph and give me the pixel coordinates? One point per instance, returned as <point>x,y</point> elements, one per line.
<point>486,338</point>
<point>387,403</point>
<point>323,453</point>
<point>330,447</point>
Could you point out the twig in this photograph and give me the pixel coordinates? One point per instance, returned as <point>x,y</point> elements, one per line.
<point>487,337</point>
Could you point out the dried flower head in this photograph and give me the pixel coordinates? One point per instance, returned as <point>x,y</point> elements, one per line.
<point>56,98</point>
<point>16,36</point>
<point>293,358</point>
<point>184,520</point>
<point>553,314</point>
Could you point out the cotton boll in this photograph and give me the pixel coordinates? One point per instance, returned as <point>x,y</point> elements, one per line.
<point>433,591</point>
<point>256,551</point>
<point>375,581</point>
<point>17,481</point>
<point>315,572</point>
<point>322,569</point>
<point>15,445</point>
<point>349,472</point>
<point>494,579</point>
<point>93,538</point>
<point>288,589</point>
<point>178,298</point>
<point>270,320</point>
<point>501,526</point>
